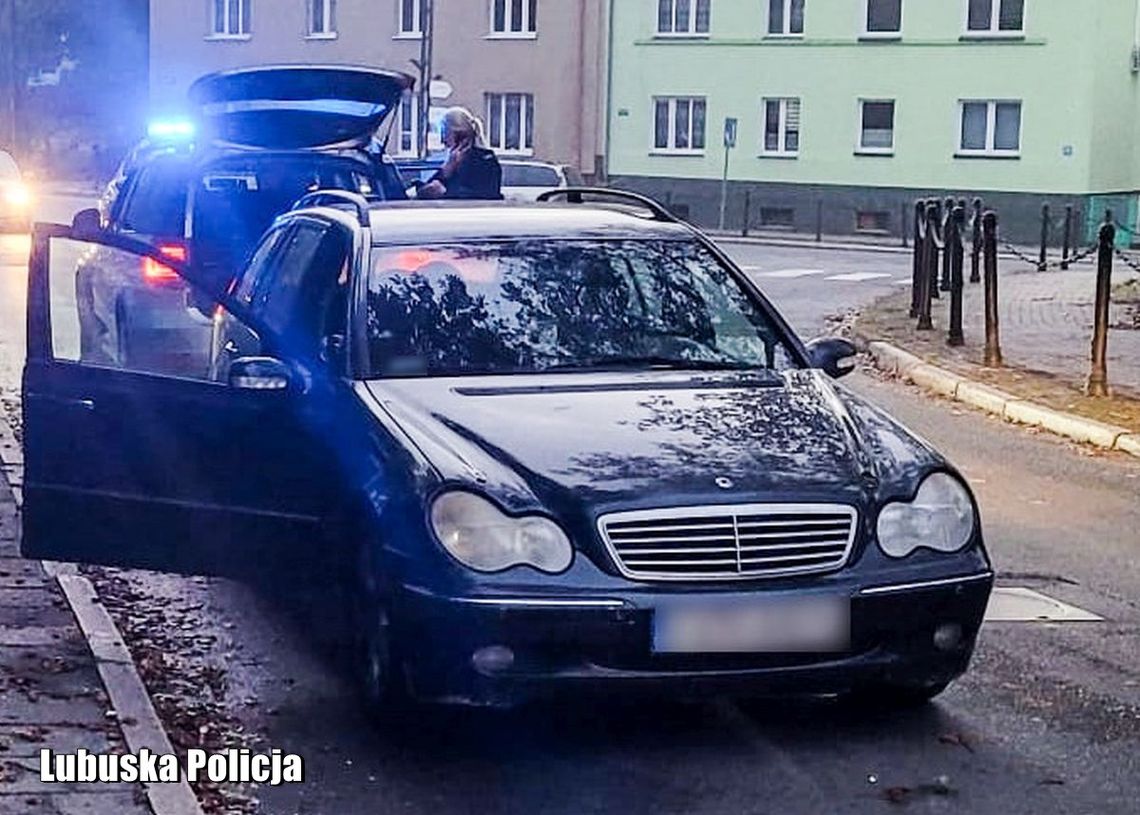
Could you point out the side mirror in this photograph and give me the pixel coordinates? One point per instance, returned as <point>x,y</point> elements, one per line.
<point>87,222</point>
<point>834,356</point>
<point>333,351</point>
<point>260,374</point>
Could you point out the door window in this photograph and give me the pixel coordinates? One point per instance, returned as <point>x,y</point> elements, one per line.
<point>111,308</point>
<point>297,295</point>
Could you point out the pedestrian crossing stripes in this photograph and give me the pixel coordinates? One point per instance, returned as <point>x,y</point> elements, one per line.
<point>791,273</point>
<point>858,277</point>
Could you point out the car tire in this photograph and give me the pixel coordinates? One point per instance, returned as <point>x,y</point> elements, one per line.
<point>375,665</point>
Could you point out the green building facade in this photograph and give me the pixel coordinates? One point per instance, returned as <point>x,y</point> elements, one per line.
<point>849,109</point>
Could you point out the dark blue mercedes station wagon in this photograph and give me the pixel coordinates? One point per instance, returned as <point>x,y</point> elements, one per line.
<point>557,445</point>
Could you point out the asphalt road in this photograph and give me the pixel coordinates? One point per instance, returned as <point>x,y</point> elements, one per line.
<point>1047,721</point>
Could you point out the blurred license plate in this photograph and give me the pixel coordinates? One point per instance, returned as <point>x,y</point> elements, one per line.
<point>799,625</point>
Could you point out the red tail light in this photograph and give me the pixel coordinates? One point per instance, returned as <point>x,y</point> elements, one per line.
<point>155,272</point>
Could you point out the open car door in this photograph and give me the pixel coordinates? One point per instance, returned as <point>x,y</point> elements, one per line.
<point>154,463</point>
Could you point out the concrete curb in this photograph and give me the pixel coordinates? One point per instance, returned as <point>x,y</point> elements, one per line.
<point>907,366</point>
<point>133,708</point>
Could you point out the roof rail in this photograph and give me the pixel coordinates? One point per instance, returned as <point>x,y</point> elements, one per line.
<point>323,197</point>
<point>575,195</point>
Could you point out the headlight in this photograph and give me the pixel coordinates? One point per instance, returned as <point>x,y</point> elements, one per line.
<point>18,195</point>
<point>480,536</point>
<point>940,517</point>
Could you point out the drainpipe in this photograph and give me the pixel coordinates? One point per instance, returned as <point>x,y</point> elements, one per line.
<point>579,131</point>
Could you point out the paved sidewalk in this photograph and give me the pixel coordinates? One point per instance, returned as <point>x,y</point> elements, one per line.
<point>1046,322</point>
<point>50,692</point>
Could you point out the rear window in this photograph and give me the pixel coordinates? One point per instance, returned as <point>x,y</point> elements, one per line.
<point>156,203</point>
<point>530,175</point>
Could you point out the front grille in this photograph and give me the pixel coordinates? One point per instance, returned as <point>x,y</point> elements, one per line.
<point>729,542</point>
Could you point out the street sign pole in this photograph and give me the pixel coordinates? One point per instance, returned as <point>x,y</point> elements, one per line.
<point>729,143</point>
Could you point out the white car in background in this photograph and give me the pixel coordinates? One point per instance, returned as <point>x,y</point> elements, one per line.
<point>525,180</point>
<point>15,197</point>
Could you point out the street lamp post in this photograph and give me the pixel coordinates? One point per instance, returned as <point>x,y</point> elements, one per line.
<point>427,32</point>
<point>9,71</point>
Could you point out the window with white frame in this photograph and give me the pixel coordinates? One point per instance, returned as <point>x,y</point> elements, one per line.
<point>408,126</point>
<point>322,18</point>
<point>679,124</point>
<point>1000,17</point>
<point>230,18</point>
<point>786,17</point>
<point>781,127</point>
<point>409,23</point>
<point>510,122</point>
<point>884,18</point>
<point>876,126</point>
<point>683,17</point>
<point>517,18</point>
<point>990,127</point>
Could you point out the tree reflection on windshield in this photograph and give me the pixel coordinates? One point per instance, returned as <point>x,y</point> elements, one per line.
<point>532,306</point>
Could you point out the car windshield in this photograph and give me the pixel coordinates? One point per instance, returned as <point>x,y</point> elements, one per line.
<point>533,306</point>
<point>530,175</point>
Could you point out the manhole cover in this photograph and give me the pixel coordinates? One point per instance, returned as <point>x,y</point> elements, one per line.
<point>1020,605</point>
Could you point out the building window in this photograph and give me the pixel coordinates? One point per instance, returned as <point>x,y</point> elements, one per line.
<point>408,126</point>
<point>873,221</point>
<point>510,122</point>
<point>884,18</point>
<point>322,18</point>
<point>679,124</point>
<point>683,17</point>
<point>778,217</point>
<point>514,18</point>
<point>1000,17</point>
<point>786,17</point>
<point>230,18</point>
<point>877,126</point>
<point>781,127</point>
<point>409,23</point>
<point>990,128</point>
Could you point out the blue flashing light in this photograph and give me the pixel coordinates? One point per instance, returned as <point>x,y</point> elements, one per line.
<point>171,130</point>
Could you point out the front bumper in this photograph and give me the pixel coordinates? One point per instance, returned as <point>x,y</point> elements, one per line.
<point>605,644</point>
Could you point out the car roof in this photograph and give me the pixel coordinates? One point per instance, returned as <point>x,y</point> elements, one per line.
<point>419,222</point>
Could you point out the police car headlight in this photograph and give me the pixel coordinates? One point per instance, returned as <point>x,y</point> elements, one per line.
<point>482,537</point>
<point>941,517</point>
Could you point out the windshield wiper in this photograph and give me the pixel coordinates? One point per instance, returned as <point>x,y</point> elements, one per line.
<point>653,363</point>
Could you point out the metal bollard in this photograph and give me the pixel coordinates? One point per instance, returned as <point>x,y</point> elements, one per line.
<point>947,254</point>
<point>957,251</point>
<point>819,220</point>
<point>1043,259</point>
<point>976,245</point>
<point>934,265</point>
<point>747,212</point>
<point>1067,241</point>
<point>919,249</point>
<point>1098,373</point>
<point>903,211</point>
<point>928,278</point>
<point>992,356</point>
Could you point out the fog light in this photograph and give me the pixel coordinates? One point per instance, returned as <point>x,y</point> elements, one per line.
<point>493,659</point>
<point>947,636</point>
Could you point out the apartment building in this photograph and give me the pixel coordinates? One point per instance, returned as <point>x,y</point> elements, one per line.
<point>847,109</point>
<point>532,69</point>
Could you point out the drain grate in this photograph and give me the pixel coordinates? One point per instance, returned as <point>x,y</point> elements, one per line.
<point>1010,604</point>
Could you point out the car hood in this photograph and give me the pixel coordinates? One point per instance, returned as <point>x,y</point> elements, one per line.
<point>287,107</point>
<point>639,440</point>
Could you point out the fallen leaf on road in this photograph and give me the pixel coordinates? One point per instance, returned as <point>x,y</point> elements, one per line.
<point>956,739</point>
